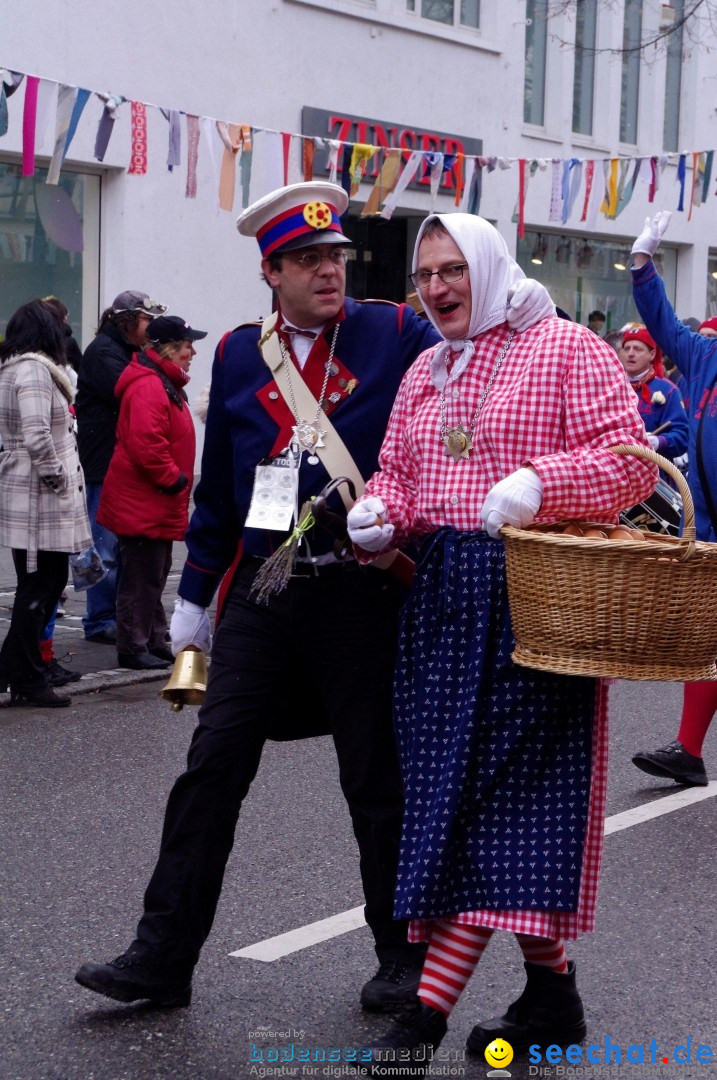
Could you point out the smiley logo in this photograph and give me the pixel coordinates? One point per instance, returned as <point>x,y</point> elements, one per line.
<point>499,1053</point>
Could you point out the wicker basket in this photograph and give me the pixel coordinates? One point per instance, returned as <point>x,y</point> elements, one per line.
<point>615,608</point>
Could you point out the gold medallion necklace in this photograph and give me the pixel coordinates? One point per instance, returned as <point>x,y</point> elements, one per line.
<point>457,441</point>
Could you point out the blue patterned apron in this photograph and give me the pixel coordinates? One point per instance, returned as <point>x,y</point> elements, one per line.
<point>496,758</point>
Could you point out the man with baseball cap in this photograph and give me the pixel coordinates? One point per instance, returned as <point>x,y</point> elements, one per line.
<point>319,655</point>
<point>121,333</point>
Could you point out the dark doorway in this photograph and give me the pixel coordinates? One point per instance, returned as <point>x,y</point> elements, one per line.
<point>377,269</point>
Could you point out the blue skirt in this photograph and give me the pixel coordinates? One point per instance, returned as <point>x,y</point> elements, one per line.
<point>496,758</point>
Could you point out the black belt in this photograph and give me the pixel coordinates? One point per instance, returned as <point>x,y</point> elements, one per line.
<point>305,569</point>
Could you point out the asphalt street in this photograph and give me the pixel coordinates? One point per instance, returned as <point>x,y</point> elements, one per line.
<point>82,794</point>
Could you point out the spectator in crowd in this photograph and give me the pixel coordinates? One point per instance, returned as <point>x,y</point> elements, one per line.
<point>614,339</point>
<point>696,356</point>
<point>74,352</point>
<point>503,766</point>
<point>121,333</point>
<point>658,400</point>
<point>708,328</point>
<point>43,516</point>
<point>145,496</point>
<point>596,321</point>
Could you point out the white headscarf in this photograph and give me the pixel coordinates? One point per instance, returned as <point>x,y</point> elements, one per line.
<point>492,271</point>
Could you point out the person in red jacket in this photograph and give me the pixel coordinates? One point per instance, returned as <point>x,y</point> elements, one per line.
<point>145,496</point>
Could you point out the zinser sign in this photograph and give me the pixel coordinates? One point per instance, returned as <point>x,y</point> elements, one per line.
<point>386,133</point>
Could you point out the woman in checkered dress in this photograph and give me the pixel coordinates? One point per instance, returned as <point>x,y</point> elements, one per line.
<point>504,767</point>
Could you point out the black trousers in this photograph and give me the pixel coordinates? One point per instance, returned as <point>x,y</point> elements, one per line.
<point>141,618</point>
<point>21,664</point>
<point>327,645</point>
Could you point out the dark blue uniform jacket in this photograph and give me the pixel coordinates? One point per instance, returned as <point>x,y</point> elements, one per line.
<point>248,421</point>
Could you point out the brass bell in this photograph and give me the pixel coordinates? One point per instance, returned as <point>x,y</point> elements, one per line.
<point>188,681</point>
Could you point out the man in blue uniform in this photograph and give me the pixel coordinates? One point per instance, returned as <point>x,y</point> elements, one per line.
<point>317,647</point>
<point>696,357</point>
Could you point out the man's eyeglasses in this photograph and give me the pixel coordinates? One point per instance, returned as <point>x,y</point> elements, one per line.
<point>311,260</point>
<point>422,278</point>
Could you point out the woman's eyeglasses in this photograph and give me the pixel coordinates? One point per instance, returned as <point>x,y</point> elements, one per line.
<point>422,278</point>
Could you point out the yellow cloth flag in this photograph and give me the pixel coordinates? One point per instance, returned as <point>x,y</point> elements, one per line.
<point>385,183</point>
<point>359,156</point>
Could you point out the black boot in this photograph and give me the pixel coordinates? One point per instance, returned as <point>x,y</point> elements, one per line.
<point>42,694</point>
<point>407,1048</point>
<point>394,985</point>
<point>548,1011</point>
<point>134,976</point>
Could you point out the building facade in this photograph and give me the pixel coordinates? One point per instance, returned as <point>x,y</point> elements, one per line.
<point>540,81</point>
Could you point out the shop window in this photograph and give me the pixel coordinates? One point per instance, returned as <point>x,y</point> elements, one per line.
<point>448,12</point>
<point>536,40</point>
<point>631,39</point>
<point>49,243</point>
<point>583,274</point>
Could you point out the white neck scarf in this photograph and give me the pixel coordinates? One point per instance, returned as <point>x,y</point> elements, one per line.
<point>492,272</point>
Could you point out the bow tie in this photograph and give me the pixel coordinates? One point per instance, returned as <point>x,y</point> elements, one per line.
<point>294,331</point>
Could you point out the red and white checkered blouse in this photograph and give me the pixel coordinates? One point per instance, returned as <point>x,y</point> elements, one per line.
<point>560,399</point>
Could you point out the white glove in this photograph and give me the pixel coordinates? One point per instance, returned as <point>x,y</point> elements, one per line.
<point>189,626</point>
<point>365,529</point>
<point>512,501</point>
<point>654,441</point>
<point>528,303</point>
<point>648,241</point>
<point>681,462</point>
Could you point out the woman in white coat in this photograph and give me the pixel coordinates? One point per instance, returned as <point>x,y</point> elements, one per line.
<point>43,516</point>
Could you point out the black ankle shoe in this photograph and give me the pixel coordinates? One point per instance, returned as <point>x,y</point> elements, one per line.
<point>672,762</point>
<point>141,661</point>
<point>407,1048</point>
<point>548,1011</point>
<point>43,695</point>
<point>135,978</point>
<point>393,986</point>
<point>164,653</point>
<point>60,676</point>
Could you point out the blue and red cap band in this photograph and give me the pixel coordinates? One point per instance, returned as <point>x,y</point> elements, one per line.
<point>307,219</point>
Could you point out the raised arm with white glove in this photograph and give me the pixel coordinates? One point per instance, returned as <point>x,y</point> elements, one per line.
<point>648,241</point>
<point>512,501</point>
<point>189,626</point>
<point>528,303</point>
<point>367,525</point>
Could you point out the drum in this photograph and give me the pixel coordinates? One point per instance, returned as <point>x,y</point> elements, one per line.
<point>660,512</point>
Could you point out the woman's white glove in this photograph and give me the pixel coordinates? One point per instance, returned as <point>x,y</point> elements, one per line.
<point>367,524</point>
<point>528,303</point>
<point>648,241</point>
<point>654,441</point>
<point>681,462</point>
<point>512,501</point>
<point>189,626</point>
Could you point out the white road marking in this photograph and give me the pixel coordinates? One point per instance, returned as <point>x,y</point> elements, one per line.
<point>311,934</point>
<point>666,805</point>
<point>304,936</point>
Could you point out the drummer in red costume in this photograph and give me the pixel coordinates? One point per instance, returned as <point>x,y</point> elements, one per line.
<point>504,767</point>
<point>658,400</point>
